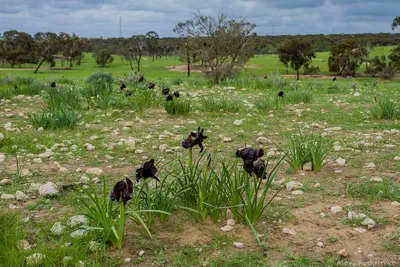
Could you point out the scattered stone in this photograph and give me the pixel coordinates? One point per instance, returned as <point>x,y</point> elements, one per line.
<point>34,188</point>
<point>338,148</point>
<point>21,196</point>
<point>360,230</point>
<point>343,253</point>
<point>96,180</point>
<point>1,137</point>
<point>289,231</point>
<point>77,220</point>
<point>368,222</point>
<point>57,228</point>
<point>163,147</point>
<point>354,215</point>
<point>357,94</point>
<point>141,253</point>
<point>2,157</point>
<point>63,170</point>
<point>94,246</point>
<point>395,203</point>
<point>227,139</point>
<point>333,129</point>
<point>262,140</point>
<point>48,189</point>
<point>370,165</point>
<point>35,259</point>
<point>127,260</point>
<point>139,151</point>
<point>23,245</point>
<point>230,222</point>
<point>46,155</point>
<point>89,147</point>
<point>340,161</point>
<point>5,182</point>
<point>84,180</point>
<point>297,192</point>
<point>67,259</point>
<point>307,167</point>
<point>80,264</point>
<point>238,245</point>
<point>376,179</point>
<point>397,158</point>
<point>336,209</point>
<point>320,244</point>
<point>79,233</point>
<point>227,228</point>
<point>7,197</point>
<point>238,122</point>
<point>94,171</point>
<point>293,185</point>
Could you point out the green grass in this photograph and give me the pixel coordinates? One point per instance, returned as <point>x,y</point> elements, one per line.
<point>375,191</point>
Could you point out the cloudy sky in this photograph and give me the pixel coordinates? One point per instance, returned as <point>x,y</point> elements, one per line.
<point>94,18</point>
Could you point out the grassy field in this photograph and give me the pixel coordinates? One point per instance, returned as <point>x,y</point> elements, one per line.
<point>260,65</point>
<point>58,134</point>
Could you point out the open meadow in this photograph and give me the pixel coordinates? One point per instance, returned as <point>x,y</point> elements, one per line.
<point>332,152</point>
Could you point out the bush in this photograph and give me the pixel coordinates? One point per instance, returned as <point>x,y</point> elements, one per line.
<point>105,78</point>
<point>264,104</point>
<point>296,97</point>
<point>177,107</point>
<point>385,110</point>
<point>303,149</point>
<point>214,104</point>
<point>59,119</point>
<point>62,98</point>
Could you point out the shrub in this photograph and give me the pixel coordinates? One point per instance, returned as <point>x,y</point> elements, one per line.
<point>103,78</point>
<point>264,104</point>
<point>177,107</point>
<point>296,97</point>
<point>58,119</point>
<point>215,104</point>
<point>385,110</point>
<point>62,98</point>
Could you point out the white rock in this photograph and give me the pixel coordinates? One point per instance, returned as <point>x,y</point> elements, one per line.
<point>94,171</point>
<point>238,122</point>
<point>67,259</point>
<point>355,215</point>
<point>340,161</point>
<point>96,180</point>
<point>57,228</point>
<point>262,140</point>
<point>80,264</point>
<point>89,147</point>
<point>46,155</point>
<point>336,209</point>
<point>2,157</point>
<point>23,245</point>
<point>7,197</point>
<point>376,179</point>
<point>230,222</point>
<point>35,259</point>
<point>227,139</point>
<point>293,185</point>
<point>141,253</point>
<point>360,230</point>
<point>127,260</point>
<point>227,228</point>
<point>238,244</point>
<point>395,203</point>
<point>297,192</point>
<point>63,170</point>
<point>368,222</point>
<point>320,244</point>
<point>139,151</point>
<point>5,182</point>
<point>77,220</point>
<point>357,94</point>
<point>289,231</point>
<point>343,253</point>
<point>163,147</point>
<point>48,189</point>
<point>40,129</point>
<point>34,188</point>
<point>21,196</point>
<point>333,129</point>
<point>79,233</point>
<point>94,246</point>
<point>1,137</point>
<point>370,165</point>
<point>84,180</point>
<point>397,158</point>
<point>338,148</point>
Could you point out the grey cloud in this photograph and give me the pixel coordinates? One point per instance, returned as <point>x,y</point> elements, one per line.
<point>93,18</point>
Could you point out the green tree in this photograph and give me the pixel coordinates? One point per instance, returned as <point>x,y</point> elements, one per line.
<point>395,23</point>
<point>48,45</point>
<point>152,43</point>
<point>134,50</point>
<point>19,48</point>
<point>346,57</point>
<point>103,57</point>
<point>223,44</point>
<point>297,52</point>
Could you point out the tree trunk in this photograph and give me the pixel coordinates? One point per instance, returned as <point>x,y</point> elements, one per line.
<point>188,65</point>
<point>122,60</point>
<point>130,63</point>
<point>40,64</point>
<point>287,70</point>
<point>298,77</point>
